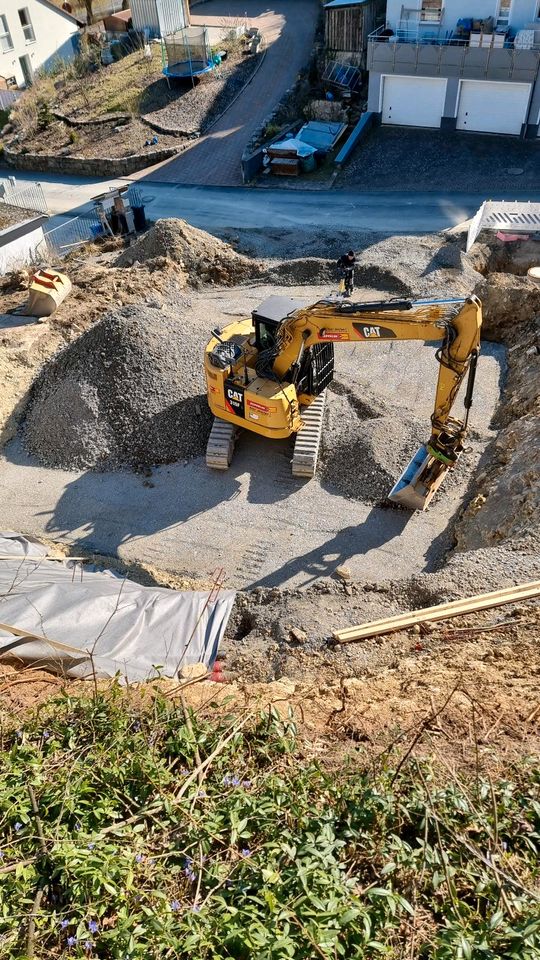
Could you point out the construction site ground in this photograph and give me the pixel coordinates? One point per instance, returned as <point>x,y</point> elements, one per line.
<point>286,531</point>
<point>281,541</point>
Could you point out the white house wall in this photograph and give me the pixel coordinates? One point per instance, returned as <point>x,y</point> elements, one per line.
<point>522,12</point>
<point>19,251</point>
<point>54,32</point>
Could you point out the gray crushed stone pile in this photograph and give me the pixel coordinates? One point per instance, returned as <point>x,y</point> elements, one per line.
<point>200,257</point>
<point>366,444</point>
<point>129,392</point>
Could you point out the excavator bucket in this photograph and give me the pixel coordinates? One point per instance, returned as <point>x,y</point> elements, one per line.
<point>419,481</point>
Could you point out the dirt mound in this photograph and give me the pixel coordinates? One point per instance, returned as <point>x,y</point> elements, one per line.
<point>366,445</point>
<point>509,304</point>
<point>488,255</point>
<point>508,506</point>
<point>130,391</point>
<point>315,270</point>
<point>201,257</point>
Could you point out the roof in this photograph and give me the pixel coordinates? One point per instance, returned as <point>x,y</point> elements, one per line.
<point>63,13</point>
<point>346,3</point>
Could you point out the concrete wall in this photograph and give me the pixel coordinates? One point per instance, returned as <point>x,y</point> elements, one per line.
<point>18,244</point>
<point>56,36</point>
<point>522,12</point>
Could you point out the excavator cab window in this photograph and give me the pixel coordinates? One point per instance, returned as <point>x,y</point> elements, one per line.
<point>265,334</point>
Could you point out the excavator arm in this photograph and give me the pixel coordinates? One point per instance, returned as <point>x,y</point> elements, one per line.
<point>454,322</point>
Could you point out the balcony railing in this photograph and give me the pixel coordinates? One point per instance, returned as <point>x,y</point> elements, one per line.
<point>448,56</point>
<point>444,38</point>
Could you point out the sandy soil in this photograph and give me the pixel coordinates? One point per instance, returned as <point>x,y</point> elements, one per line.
<point>469,692</point>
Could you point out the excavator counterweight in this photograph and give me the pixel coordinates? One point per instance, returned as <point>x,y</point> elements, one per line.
<point>269,375</point>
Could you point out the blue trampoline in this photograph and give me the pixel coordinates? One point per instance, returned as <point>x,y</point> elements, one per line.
<point>187,54</point>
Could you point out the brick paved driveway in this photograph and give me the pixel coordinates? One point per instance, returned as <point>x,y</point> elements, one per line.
<point>288,27</point>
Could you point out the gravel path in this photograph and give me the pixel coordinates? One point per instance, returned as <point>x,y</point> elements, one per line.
<point>400,158</point>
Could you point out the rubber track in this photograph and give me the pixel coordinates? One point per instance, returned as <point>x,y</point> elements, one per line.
<point>308,439</point>
<point>220,446</point>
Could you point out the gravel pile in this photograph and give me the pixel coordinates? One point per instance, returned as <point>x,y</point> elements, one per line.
<point>201,257</point>
<point>366,444</point>
<point>315,270</point>
<point>129,392</point>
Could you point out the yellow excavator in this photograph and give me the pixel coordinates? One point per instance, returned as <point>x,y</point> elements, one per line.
<point>269,374</point>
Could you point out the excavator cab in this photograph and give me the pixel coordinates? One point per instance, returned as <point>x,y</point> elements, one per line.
<point>268,317</point>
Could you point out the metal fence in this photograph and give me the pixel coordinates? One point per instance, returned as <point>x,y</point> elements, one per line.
<point>66,237</point>
<point>27,197</point>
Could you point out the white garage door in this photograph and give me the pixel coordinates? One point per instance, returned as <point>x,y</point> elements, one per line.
<point>413,101</point>
<point>489,107</point>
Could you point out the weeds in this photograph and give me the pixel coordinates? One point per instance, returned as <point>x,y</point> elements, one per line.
<point>144,832</point>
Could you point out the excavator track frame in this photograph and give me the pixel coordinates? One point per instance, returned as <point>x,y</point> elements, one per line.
<point>308,440</point>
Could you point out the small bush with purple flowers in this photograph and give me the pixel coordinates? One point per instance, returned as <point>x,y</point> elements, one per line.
<point>137,833</point>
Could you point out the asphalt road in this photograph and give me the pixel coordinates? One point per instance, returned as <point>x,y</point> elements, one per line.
<point>215,208</point>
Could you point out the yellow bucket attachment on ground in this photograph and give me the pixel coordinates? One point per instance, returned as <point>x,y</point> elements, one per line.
<point>47,291</point>
<point>419,481</point>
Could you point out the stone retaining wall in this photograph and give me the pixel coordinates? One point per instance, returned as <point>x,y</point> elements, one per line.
<point>86,167</point>
<point>118,118</point>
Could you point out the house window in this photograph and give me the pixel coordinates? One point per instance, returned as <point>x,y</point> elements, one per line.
<point>431,11</point>
<point>503,15</point>
<point>26,24</point>
<point>6,43</point>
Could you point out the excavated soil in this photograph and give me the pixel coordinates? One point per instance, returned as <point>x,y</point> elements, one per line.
<point>130,391</point>
<point>198,256</point>
<point>506,503</point>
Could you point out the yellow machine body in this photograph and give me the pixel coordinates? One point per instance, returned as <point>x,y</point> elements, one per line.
<point>241,397</point>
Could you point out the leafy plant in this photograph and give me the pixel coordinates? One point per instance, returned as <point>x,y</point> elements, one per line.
<point>44,115</point>
<point>138,830</point>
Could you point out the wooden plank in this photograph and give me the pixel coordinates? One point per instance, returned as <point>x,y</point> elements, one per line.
<point>482,601</point>
<point>28,635</point>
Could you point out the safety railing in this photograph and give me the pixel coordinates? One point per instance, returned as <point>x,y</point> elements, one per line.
<point>27,197</point>
<point>442,38</point>
<point>65,238</point>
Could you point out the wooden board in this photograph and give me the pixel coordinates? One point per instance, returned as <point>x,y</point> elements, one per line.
<point>456,608</point>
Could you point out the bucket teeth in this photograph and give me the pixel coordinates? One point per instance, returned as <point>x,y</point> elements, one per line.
<point>308,439</point>
<point>220,446</point>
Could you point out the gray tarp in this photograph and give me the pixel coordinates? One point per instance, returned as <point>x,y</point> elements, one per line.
<point>95,621</point>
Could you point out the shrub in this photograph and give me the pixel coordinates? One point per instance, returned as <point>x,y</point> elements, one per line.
<point>44,115</point>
